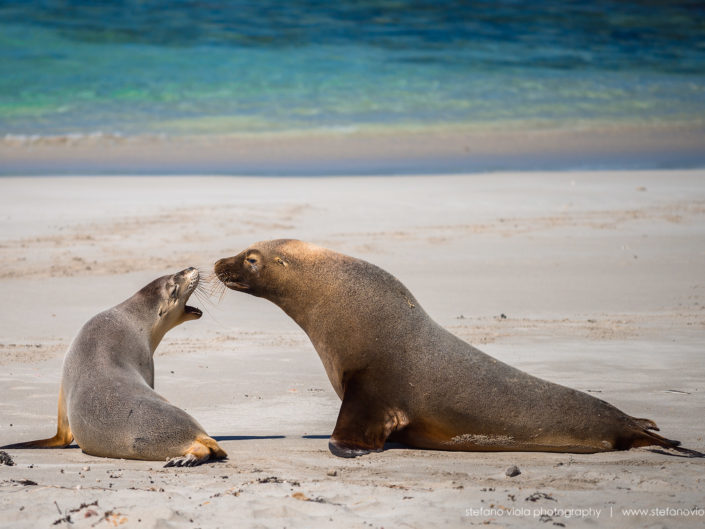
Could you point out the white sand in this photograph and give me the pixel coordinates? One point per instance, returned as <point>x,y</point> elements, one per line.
<point>601,276</point>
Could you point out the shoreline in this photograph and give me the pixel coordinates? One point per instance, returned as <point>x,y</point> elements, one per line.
<point>365,151</point>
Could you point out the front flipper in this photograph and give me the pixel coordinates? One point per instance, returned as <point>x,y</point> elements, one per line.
<point>364,421</point>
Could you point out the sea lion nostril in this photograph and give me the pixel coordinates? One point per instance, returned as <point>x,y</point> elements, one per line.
<point>221,272</point>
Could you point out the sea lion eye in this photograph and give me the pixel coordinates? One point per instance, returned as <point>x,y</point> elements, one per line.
<point>174,291</point>
<point>251,260</point>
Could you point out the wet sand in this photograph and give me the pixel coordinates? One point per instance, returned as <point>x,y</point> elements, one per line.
<point>370,150</point>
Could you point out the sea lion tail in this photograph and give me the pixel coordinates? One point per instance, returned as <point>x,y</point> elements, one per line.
<point>63,435</point>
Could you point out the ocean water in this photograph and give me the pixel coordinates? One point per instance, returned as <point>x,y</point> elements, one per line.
<point>185,67</point>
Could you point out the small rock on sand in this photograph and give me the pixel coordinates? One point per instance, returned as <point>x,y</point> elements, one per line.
<point>512,471</point>
<point>5,459</point>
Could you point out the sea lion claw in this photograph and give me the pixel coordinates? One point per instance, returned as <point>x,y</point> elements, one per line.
<point>189,460</point>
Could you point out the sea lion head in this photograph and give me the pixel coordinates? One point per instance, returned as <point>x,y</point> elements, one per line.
<point>166,297</point>
<point>162,303</point>
<point>265,268</point>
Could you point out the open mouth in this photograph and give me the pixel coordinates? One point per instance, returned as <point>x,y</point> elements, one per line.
<point>190,290</point>
<point>236,285</point>
<point>193,310</point>
<point>232,282</point>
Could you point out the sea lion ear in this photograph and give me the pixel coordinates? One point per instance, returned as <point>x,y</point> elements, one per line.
<point>280,261</point>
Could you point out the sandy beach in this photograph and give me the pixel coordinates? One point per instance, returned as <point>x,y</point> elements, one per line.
<point>593,280</point>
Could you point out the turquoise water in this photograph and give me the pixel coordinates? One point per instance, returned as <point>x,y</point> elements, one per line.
<point>180,67</point>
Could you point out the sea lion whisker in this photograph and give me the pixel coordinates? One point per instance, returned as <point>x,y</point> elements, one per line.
<point>206,274</point>
<point>207,290</point>
<point>206,305</point>
<point>209,281</point>
<point>218,291</point>
<point>214,282</point>
<point>203,298</point>
<point>214,289</point>
<point>222,293</point>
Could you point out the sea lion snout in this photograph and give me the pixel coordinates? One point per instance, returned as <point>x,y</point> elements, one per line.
<point>184,284</point>
<point>229,272</point>
<point>191,277</point>
<point>221,266</point>
<point>225,268</point>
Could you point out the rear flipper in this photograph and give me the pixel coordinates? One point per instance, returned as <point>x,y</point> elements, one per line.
<point>203,449</point>
<point>646,438</point>
<point>63,435</point>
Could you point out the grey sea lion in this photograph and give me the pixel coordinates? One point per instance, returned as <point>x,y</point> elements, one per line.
<point>403,377</point>
<point>107,401</point>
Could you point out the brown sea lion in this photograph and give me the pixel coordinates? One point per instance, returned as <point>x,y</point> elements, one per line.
<point>402,377</point>
<point>107,401</point>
